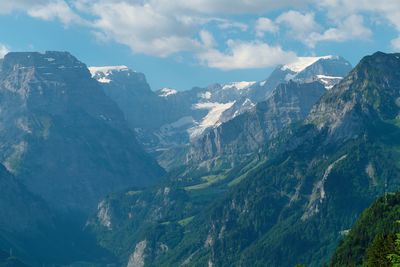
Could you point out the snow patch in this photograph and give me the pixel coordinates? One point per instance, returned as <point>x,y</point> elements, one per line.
<point>328,77</point>
<point>248,102</point>
<point>104,80</point>
<point>206,95</point>
<point>290,76</point>
<point>50,59</point>
<point>107,70</point>
<point>165,92</point>
<point>238,85</point>
<point>329,81</point>
<point>247,105</point>
<point>212,118</point>
<point>101,74</point>
<point>302,63</point>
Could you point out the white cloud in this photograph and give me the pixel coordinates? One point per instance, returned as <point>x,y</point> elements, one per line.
<point>304,28</point>
<point>161,27</point>
<point>9,6</point>
<point>350,28</point>
<point>245,55</point>
<point>3,50</point>
<point>55,10</point>
<point>264,25</point>
<point>165,27</point>
<point>299,25</point>
<point>396,44</point>
<point>224,24</point>
<point>43,9</point>
<point>227,6</point>
<point>144,29</point>
<point>387,9</point>
<point>207,39</point>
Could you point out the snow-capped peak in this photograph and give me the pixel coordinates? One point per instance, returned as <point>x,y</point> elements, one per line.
<point>238,85</point>
<point>167,92</point>
<point>101,73</point>
<point>301,63</point>
<point>106,70</point>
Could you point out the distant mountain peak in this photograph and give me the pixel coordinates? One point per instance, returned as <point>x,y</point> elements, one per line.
<point>238,85</point>
<point>301,63</point>
<point>101,74</point>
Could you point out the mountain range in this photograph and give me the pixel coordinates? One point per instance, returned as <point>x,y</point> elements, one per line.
<point>294,200</point>
<point>99,170</point>
<point>170,123</point>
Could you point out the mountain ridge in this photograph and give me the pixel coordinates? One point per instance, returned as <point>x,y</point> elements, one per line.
<point>312,186</point>
<point>53,116</point>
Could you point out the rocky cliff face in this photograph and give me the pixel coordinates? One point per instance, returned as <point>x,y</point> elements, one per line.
<point>308,69</point>
<point>123,218</point>
<point>248,132</point>
<point>62,136</point>
<point>295,207</point>
<point>251,121</point>
<point>142,107</point>
<point>370,92</point>
<point>167,121</point>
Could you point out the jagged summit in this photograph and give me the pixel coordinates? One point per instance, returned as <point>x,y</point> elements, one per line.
<point>238,85</point>
<point>301,63</point>
<point>328,70</point>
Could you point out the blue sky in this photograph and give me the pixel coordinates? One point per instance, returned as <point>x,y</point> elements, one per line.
<point>181,43</point>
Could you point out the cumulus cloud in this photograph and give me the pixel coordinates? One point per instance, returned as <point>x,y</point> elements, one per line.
<point>9,6</point>
<point>299,25</point>
<point>207,39</point>
<point>349,29</point>
<point>144,29</point>
<point>245,55</point>
<point>43,9</point>
<point>224,24</point>
<point>264,25</point>
<point>58,10</point>
<point>388,10</point>
<point>3,50</point>
<point>227,6</point>
<point>304,28</point>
